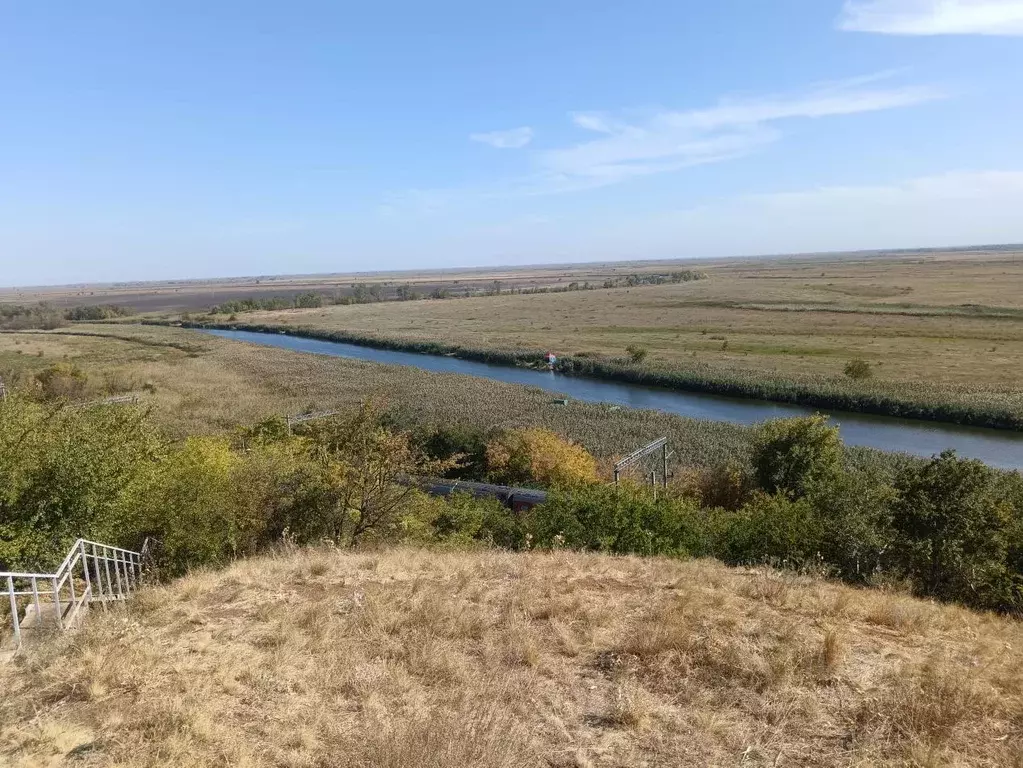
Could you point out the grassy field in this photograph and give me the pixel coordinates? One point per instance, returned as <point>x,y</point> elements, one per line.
<point>403,658</point>
<point>200,384</point>
<point>941,331</point>
<point>955,322</point>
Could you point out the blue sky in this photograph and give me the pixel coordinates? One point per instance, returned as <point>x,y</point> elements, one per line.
<point>197,139</point>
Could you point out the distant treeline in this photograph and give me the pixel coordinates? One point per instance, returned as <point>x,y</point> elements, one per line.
<point>682,276</point>
<point>372,293</point>
<point>42,316</point>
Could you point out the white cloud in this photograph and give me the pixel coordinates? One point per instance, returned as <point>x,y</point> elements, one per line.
<point>631,145</point>
<point>667,140</point>
<point>934,17</point>
<point>516,138</point>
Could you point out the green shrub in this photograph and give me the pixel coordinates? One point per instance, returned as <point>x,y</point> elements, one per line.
<point>62,381</point>
<point>15,317</point>
<point>854,518</point>
<point>465,520</point>
<point>193,507</point>
<point>69,473</point>
<point>637,354</point>
<point>623,521</point>
<point>727,485</point>
<point>770,528</point>
<point>953,525</point>
<point>792,455</point>
<point>858,370</point>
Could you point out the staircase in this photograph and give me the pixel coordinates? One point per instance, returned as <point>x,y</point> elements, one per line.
<point>34,603</point>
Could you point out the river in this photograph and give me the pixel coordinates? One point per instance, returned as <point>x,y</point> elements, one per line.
<point>999,448</point>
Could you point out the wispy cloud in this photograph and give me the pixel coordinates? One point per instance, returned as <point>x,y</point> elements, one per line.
<point>516,138</point>
<point>667,140</point>
<point>934,17</point>
<point>627,145</point>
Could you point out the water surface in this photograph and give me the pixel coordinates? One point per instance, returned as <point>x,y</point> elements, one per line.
<point>999,448</point>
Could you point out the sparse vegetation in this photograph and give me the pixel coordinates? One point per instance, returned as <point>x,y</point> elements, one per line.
<point>858,370</point>
<point>637,354</point>
<point>910,400</point>
<point>405,657</point>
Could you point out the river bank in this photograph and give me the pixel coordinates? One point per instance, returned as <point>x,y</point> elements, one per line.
<point>873,397</point>
<point>1000,448</point>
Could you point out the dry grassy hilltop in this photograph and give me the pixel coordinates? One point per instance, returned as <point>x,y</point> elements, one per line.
<point>423,658</point>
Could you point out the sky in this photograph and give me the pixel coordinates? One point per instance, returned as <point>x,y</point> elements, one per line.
<point>207,138</point>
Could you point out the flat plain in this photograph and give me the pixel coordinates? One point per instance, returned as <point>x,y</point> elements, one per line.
<point>199,295</point>
<point>941,331</point>
<point>945,319</point>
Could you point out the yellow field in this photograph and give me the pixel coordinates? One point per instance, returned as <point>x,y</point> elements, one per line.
<point>942,320</point>
<point>406,658</point>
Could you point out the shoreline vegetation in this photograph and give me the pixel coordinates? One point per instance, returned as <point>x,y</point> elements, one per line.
<point>902,400</point>
<point>949,529</point>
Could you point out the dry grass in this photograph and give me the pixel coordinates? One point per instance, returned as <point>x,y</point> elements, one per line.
<point>418,658</point>
<point>199,384</point>
<point>915,319</point>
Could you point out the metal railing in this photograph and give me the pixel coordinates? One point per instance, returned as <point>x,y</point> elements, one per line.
<point>91,572</point>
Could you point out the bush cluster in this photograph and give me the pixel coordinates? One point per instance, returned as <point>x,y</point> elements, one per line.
<point>46,317</point>
<point>105,473</point>
<point>947,528</point>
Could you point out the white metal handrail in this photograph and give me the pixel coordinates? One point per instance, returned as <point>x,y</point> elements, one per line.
<point>86,575</point>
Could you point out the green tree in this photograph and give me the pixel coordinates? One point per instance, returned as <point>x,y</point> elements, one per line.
<point>952,524</point>
<point>791,455</point>
<point>308,300</point>
<point>67,473</point>
<point>365,475</point>
<point>537,455</point>
<point>771,528</point>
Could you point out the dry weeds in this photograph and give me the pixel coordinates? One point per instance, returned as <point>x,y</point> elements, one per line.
<point>419,658</point>
<point>197,383</point>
